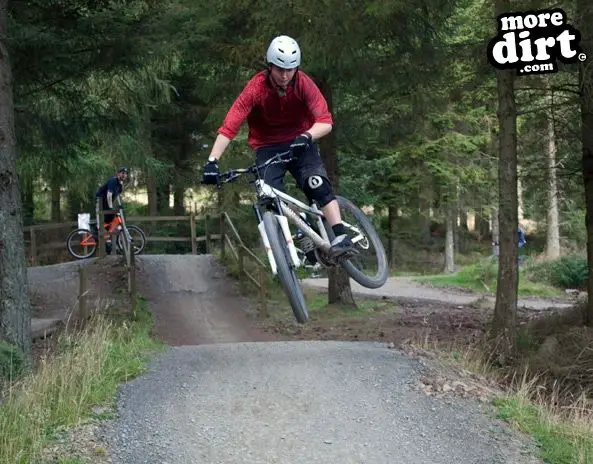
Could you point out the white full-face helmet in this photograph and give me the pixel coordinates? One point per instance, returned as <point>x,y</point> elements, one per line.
<point>284,52</point>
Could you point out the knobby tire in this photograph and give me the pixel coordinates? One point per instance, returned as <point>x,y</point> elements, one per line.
<point>380,277</point>
<point>285,269</point>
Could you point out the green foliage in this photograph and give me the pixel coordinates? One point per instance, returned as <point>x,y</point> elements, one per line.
<point>482,277</point>
<point>12,362</point>
<point>566,272</point>
<point>570,272</point>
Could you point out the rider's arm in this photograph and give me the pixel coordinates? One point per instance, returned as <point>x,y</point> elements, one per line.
<point>317,106</point>
<point>235,117</point>
<point>110,199</point>
<point>319,129</point>
<point>220,144</point>
<point>111,186</point>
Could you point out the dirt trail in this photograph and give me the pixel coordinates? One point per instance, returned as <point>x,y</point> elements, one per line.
<point>192,299</point>
<point>194,302</point>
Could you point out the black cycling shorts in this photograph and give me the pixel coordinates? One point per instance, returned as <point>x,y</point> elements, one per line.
<point>308,164</point>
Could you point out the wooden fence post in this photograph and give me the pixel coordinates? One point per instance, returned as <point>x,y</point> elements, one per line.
<point>192,228</point>
<point>263,278</point>
<point>241,253</point>
<point>207,232</point>
<point>82,291</point>
<point>222,237</point>
<point>33,249</point>
<point>132,281</point>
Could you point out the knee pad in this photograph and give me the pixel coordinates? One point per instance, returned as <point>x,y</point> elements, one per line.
<point>319,189</point>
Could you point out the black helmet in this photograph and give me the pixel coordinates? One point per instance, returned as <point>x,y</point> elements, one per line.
<point>123,169</point>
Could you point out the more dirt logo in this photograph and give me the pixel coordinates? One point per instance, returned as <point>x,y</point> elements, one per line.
<point>533,41</point>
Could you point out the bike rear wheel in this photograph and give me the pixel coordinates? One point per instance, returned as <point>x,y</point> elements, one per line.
<point>285,269</point>
<point>81,243</point>
<point>369,268</point>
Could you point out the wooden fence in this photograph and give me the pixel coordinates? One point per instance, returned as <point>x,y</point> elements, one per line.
<point>33,245</point>
<point>240,252</point>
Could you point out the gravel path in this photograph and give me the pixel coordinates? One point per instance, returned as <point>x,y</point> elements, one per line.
<point>299,402</point>
<point>404,288</point>
<point>223,396</point>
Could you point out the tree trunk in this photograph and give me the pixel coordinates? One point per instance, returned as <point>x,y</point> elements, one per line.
<point>453,212</point>
<point>463,217</point>
<point>391,219</point>
<point>494,220</point>
<point>56,204</point>
<point>482,224</point>
<point>553,227</point>
<point>424,220</point>
<point>28,200</point>
<point>178,203</point>
<point>15,307</point>
<point>339,290</point>
<point>505,309</point>
<point>462,231</point>
<point>151,194</point>
<point>520,208</point>
<point>450,224</point>
<point>163,197</point>
<point>586,84</point>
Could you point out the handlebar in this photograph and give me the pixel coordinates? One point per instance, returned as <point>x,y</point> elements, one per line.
<point>232,174</point>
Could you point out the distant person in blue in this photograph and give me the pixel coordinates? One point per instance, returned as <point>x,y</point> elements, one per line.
<point>106,196</point>
<point>522,240</point>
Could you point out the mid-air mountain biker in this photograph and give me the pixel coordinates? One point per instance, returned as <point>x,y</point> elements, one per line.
<point>285,109</point>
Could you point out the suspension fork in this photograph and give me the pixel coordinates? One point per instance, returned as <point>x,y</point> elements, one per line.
<point>264,238</point>
<point>286,232</point>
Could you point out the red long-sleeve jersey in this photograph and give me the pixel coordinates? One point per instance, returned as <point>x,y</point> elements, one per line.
<point>273,118</point>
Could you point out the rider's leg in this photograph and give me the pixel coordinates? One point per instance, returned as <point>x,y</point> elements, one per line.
<point>273,174</point>
<point>311,176</point>
<point>97,209</point>
<point>107,219</point>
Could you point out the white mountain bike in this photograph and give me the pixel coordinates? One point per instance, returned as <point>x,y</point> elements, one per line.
<point>280,208</point>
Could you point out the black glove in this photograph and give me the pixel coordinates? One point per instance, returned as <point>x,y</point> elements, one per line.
<point>211,173</point>
<point>301,143</point>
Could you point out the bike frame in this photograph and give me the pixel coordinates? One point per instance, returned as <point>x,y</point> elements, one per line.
<point>285,211</point>
<point>119,219</point>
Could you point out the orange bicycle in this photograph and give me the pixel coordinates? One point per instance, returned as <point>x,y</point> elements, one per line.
<point>82,243</point>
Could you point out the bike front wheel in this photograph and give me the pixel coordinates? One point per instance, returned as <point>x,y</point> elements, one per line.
<point>368,268</point>
<point>138,239</point>
<point>285,269</point>
<point>81,243</point>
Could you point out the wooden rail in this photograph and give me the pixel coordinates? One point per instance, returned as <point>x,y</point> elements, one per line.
<point>35,247</point>
<point>239,252</point>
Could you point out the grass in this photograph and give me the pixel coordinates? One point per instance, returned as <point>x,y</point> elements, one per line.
<point>561,425</point>
<point>481,277</point>
<point>562,438</point>
<point>84,372</point>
